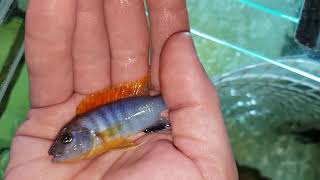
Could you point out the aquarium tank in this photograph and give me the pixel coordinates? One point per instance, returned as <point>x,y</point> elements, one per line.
<point>261,55</point>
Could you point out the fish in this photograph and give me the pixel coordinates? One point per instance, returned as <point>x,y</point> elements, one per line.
<point>107,119</point>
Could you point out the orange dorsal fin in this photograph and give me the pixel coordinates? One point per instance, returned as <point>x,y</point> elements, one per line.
<point>124,90</point>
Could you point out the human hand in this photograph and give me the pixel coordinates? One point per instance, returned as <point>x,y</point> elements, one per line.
<point>74,48</point>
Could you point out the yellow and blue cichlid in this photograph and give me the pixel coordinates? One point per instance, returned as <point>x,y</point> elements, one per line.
<point>106,120</point>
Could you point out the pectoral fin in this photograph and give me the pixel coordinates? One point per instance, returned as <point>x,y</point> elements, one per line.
<point>161,124</point>
<point>119,143</point>
<point>125,143</point>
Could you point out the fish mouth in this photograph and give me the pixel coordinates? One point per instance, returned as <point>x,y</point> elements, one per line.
<point>57,156</point>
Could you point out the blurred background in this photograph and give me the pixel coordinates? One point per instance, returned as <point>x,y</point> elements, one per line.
<point>262,56</point>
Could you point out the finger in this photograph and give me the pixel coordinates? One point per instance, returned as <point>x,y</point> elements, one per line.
<point>128,37</point>
<point>166,18</point>
<point>49,31</point>
<point>197,125</point>
<point>91,51</point>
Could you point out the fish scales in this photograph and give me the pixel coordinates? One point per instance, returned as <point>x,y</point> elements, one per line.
<point>126,117</point>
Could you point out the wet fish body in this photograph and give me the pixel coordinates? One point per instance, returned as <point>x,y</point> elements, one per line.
<point>106,127</point>
<point>127,117</point>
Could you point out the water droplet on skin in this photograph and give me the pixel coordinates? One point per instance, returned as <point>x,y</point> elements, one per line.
<point>124,5</point>
<point>122,2</point>
<point>130,61</point>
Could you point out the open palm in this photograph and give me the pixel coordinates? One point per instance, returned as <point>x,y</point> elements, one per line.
<point>76,47</point>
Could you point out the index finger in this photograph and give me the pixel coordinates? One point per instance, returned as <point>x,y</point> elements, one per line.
<point>49,31</point>
<point>197,125</point>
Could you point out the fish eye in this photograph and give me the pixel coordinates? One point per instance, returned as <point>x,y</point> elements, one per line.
<point>67,138</point>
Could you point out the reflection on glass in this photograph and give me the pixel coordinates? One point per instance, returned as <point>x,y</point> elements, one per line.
<point>273,12</point>
<point>272,115</point>
<point>289,8</point>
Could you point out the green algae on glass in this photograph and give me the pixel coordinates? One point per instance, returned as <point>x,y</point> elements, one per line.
<point>217,59</point>
<point>22,4</point>
<point>242,25</point>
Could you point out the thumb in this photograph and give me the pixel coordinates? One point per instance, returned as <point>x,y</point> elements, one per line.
<point>197,125</point>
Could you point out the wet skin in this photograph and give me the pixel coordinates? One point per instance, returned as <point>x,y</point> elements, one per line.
<point>77,47</point>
